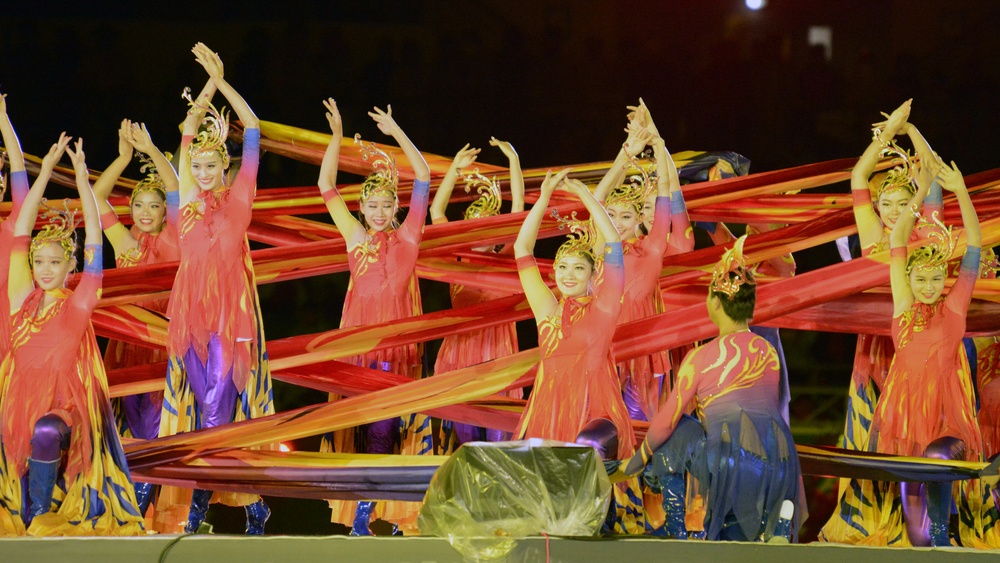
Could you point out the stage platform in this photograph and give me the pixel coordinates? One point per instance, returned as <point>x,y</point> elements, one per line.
<point>305,549</point>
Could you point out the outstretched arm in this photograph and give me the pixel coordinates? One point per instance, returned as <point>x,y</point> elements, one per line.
<point>516,177</point>
<point>349,227</point>
<point>387,125</point>
<point>91,217</point>
<point>10,141</point>
<point>106,182</point>
<point>543,303</point>
<point>138,136</point>
<point>19,283</point>
<point>195,113</point>
<point>213,66</point>
<point>952,180</point>
<point>870,229</point>
<point>463,159</point>
<point>638,137</point>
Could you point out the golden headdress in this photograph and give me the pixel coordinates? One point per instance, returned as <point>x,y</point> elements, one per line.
<point>488,203</point>
<point>636,192</point>
<point>61,229</point>
<point>989,266</point>
<point>900,177</point>
<point>581,238</point>
<point>152,183</point>
<point>213,132</point>
<point>384,177</point>
<point>938,250</point>
<point>732,271</point>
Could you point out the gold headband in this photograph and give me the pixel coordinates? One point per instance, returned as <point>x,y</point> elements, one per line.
<point>61,230</point>
<point>638,189</point>
<point>488,203</point>
<point>152,183</point>
<point>900,177</point>
<point>580,238</point>
<point>212,133</point>
<point>939,248</point>
<point>384,177</point>
<point>731,272</point>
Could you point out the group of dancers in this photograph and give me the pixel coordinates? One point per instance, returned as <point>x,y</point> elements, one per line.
<point>718,456</point>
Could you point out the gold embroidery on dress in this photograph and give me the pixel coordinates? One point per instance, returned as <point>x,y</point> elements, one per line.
<point>366,254</point>
<point>191,213</point>
<point>130,257</point>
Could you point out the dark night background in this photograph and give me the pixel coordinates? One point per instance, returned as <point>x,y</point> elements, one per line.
<point>552,77</point>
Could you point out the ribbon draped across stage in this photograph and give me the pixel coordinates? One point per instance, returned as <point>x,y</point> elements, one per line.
<point>848,297</point>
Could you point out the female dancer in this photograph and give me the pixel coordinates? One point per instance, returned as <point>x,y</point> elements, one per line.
<point>741,450</point>
<point>56,418</point>
<point>467,349</point>
<point>151,240</point>
<point>927,407</point>
<point>892,191</point>
<point>383,286</point>
<point>642,378</point>
<point>216,341</point>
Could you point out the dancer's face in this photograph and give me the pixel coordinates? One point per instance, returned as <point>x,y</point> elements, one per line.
<point>927,285</point>
<point>148,212</point>
<point>625,219</point>
<point>378,211</point>
<point>208,171</point>
<point>891,205</point>
<point>648,210</point>
<point>49,266</point>
<point>573,275</point>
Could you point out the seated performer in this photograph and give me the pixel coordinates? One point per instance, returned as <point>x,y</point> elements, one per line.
<point>57,439</point>
<point>739,449</point>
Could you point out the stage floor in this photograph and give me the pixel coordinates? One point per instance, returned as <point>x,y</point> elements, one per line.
<point>304,549</point>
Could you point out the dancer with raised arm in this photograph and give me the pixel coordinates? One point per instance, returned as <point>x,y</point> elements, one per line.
<point>382,256</point>
<point>471,348</point>
<point>218,370</point>
<point>151,240</point>
<point>58,438</point>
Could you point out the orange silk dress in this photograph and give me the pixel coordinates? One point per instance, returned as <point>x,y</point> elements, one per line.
<point>576,380</point>
<point>989,398</point>
<point>19,190</point>
<point>54,367</point>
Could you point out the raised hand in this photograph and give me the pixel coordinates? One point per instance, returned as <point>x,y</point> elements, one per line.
<point>895,122</point>
<point>638,138</point>
<point>208,59</point>
<point>951,178</point>
<point>575,187</point>
<point>125,139</point>
<point>56,151</point>
<point>3,104</point>
<point>464,158</point>
<point>333,117</point>
<point>386,124</point>
<point>139,137</point>
<point>507,148</point>
<point>77,157</point>
<point>551,181</point>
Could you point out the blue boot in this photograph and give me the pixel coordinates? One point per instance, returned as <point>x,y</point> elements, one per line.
<point>939,535</point>
<point>674,492</point>
<point>199,508</point>
<point>362,517</point>
<point>257,515</point>
<point>41,482</point>
<point>143,494</point>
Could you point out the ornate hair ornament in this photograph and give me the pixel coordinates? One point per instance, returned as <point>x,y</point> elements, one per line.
<point>61,229</point>
<point>3,180</point>
<point>152,183</point>
<point>384,177</point>
<point>731,272</point>
<point>901,176</point>
<point>488,203</point>
<point>989,265</point>
<point>638,189</point>
<point>581,238</point>
<point>939,248</point>
<point>212,133</point>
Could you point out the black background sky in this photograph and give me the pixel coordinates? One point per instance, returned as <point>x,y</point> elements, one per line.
<point>552,77</point>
